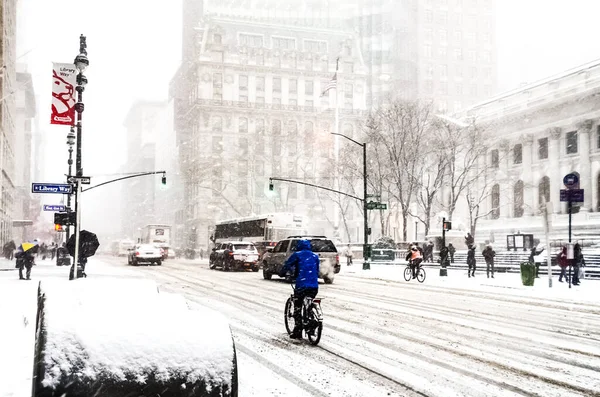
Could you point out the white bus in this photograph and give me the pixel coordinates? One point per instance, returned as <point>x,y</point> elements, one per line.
<point>263,230</point>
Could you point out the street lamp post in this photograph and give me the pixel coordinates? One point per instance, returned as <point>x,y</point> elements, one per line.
<point>81,63</point>
<point>366,250</point>
<point>70,143</point>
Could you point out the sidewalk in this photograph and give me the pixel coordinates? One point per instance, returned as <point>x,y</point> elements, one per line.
<point>502,283</point>
<point>5,264</point>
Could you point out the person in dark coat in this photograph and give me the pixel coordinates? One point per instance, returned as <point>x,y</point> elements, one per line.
<point>578,262</point>
<point>430,247</point>
<point>563,262</point>
<point>535,252</point>
<point>25,259</point>
<point>9,249</point>
<point>451,251</point>
<point>489,254</point>
<point>469,240</point>
<point>471,261</point>
<point>305,266</point>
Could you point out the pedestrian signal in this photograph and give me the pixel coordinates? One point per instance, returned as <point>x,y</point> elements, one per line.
<point>58,228</point>
<point>447,225</point>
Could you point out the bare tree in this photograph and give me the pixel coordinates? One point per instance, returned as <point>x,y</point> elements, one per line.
<point>395,132</point>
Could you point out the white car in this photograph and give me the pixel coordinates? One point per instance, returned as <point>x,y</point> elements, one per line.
<point>144,253</point>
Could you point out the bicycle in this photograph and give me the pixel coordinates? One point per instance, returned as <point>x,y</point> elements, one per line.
<point>420,273</point>
<point>312,317</point>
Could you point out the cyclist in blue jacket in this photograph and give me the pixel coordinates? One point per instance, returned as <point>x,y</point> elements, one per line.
<point>305,267</point>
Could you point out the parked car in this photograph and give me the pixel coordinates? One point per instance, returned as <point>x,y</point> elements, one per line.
<point>273,261</point>
<point>238,255</point>
<point>144,253</point>
<point>216,255</point>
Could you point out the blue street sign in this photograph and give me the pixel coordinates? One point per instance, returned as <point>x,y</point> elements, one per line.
<point>571,180</point>
<point>56,188</point>
<point>56,208</point>
<point>576,195</point>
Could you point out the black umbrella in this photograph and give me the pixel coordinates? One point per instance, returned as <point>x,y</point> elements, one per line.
<point>88,244</point>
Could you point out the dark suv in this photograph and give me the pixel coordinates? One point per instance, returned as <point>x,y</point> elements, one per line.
<point>273,261</point>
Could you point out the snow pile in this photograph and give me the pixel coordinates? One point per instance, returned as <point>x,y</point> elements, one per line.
<point>114,337</point>
<point>17,330</point>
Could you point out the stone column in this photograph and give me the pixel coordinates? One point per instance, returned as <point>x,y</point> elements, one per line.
<point>527,177</point>
<point>585,174</point>
<point>554,174</point>
<point>506,188</point>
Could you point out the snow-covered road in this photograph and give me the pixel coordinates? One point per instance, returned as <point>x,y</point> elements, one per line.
<point>389,338</point>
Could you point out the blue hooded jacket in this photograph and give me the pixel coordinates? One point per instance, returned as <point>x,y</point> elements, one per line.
<point>305,264</point>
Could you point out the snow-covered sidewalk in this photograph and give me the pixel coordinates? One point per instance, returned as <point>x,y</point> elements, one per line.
<point>504,283</point>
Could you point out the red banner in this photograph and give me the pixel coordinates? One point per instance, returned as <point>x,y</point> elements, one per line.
<point>63,93</point>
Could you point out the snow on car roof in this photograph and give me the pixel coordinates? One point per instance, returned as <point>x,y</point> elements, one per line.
<point>156,333</point>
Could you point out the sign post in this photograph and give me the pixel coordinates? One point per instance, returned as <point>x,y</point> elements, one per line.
<point>570,194</point>
<point>77,227</point>
<point>54,208</point>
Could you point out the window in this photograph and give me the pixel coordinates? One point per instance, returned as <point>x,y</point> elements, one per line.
<point>429,16</point>
<point>244,98</point>
<point>217,144</point>
<point>217,86</point>
<point>473,72</point>
<point>542,148</point>
<point>495,159</point>
<point>292,147</point>
<point>308,87</point>
<point>293,86</point>
<point>309,103</point>
<point>444,70</point>
<point>458,55</point>
<point>243,127</point>
<point>459,89</point>
<point>315,46</point>
<point>292,128</point>
<point>349,67</point>
<point>443,35</point>
<point>259,145</point>
<point>217,124</point>
<point>251,40</point>
<point>427,51</point>
<point>217,38</point>
<point>348,91</point>
<point>428,35</point>
<point>429,71</point>
<point>276,127</point>
<point>518,154</point>
<point>243,146</point>
<point>486,56</point>
<point>544,191</point>
<point>276,101</point>
<point>243,83</point>
<point>518,207</point>
<point>276,84</point>
<point>276,146</point>
<point>284,43</point>
<point>572,142</point>
<point>260,84</point>
<point>458,36</point>
<point>443,52</point>
<point>260,126</point>
<point>496,201</point>
<point>260,99</point>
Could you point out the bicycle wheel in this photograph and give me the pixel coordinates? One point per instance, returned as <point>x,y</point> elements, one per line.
<point>421,275</point>
<point>288,316</point>
<point>407,273</point>
<point>314,335</point>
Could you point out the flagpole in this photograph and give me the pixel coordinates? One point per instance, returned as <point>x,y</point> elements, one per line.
<point>336,149</point>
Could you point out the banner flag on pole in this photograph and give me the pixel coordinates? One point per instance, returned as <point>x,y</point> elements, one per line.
<point>333,82</point>
<point>63,93</point>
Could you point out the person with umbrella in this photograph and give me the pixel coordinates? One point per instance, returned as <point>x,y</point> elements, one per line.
<point>25,259</point>
<point>88,244</point>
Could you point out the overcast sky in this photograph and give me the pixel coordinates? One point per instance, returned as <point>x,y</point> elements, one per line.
<point>134,49</point>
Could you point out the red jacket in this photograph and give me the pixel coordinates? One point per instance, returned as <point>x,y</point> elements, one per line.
<point>562,258</point>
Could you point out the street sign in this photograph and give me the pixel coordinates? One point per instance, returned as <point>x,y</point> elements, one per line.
<point>54,207</point>
<point>571,181</point>
<point>85,180</point>
<point>373,205</point>
<point>56,188</point>
<point>576,195</point>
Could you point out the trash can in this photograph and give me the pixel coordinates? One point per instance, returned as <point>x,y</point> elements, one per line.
<point>527,273</point>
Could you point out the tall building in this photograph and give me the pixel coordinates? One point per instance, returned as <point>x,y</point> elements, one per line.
<point>146,123</point>
<point>8,87</point>
<point>26,111</point>
<point>249,106</point>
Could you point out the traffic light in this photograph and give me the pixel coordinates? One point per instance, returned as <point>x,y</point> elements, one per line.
<point>271,185</point>
<point>58,228</point>
<point>447,225</point>
<point>164,179</point>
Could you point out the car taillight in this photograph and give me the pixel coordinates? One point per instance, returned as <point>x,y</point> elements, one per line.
<point>337,258</point>
<point>137,253</point>
<point>231,253</point>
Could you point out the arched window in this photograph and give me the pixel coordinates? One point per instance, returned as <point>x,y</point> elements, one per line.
<point>518,200</point>
<point>292,127</point>
<point>276,127</point>
<point>308,127</point>
<point>496,201</point>
<point>544,191</point>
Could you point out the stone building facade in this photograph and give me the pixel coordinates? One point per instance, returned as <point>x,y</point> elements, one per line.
<point>544,131</point>
<point>248,106</point>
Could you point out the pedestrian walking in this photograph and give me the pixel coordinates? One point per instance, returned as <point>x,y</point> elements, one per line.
<point>578,263</point>
<point>201,254</point>
<point>451,251</point>
<point>349,255</point>
<point>53,248</point>
<point>25,259</point>
<point>471,261</point>
<point>563,262</point>
<point>489,254</point>
<point>429,252</point>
